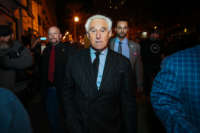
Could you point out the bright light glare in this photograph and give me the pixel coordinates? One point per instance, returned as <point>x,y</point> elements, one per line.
<point>144,34</point>
<point>76,19</point>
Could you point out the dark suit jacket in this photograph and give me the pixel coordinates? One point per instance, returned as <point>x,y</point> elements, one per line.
<point>62,52</point>
<point>14,58</point>
<point>135,59</point>
<point>112,108</point>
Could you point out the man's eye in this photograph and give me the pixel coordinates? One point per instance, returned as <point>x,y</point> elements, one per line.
<point>93,31</point>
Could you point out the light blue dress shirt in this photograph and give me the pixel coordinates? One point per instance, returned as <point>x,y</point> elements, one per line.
<point>125,48</point>
<point>102,60</point>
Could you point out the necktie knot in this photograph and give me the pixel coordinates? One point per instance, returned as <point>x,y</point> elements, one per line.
<point>97,53</point>
<point>96,60</point>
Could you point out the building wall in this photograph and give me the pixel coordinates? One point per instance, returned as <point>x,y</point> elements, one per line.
<point>28,16</point>
<point>43,17</point>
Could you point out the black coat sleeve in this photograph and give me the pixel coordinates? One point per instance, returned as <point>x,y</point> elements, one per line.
<point>17,57</point>
<point>67,92</point>
<point>128,101</point>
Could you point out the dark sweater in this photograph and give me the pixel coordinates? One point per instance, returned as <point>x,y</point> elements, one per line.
<point>16,57</point>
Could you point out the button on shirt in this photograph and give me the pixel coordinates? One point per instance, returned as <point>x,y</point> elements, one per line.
<point>125,48</point>
<point>102,60</point>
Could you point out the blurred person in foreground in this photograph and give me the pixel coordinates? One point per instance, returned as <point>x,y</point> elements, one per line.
<point>13,116</point>
<point>98,94</point>
<point>129,49</point>
<point>175,94</point>
<point>13,56</point>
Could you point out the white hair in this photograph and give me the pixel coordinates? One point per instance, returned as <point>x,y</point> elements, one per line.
<point>90,19</point>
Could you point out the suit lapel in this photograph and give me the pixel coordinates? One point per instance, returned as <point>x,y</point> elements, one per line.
<point>93,92</point>
<point>131,53</point>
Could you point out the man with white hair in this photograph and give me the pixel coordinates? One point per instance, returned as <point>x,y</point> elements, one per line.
<point>98,94</point>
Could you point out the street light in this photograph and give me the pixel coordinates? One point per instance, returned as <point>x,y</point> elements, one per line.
<point>76,20</point>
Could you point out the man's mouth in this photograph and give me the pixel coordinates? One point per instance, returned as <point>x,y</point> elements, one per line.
<point>98,41</point>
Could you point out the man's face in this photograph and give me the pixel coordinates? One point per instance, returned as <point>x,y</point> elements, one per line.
<point>154,36</point>
<point>54,35</point>
<point>5,42</point>
<point>121,29</point>
<point>99,34</point>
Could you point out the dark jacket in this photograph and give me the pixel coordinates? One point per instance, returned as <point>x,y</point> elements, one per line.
<point>12,59</point>
<point>112,108</point>
<point>135,59</point>
<point>175,94</point>
<point>13,116</point>
<point>62,52</point>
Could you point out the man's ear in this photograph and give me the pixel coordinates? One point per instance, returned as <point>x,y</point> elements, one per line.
<point>110,33</point>
<point>88,35</point>
<point>60,35</point>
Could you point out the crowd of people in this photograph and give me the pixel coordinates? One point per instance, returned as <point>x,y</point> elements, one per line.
<point>95,89</point>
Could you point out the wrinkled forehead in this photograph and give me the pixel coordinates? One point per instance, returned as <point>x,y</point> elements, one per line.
<point>98,24</point>
<point>53,30</point>
<point>122,24</point>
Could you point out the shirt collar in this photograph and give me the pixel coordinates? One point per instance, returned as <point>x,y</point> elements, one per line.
<point>124,41</point>
<point>104,52</point>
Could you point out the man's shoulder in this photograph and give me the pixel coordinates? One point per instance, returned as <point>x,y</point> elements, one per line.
<point>133,45</point>
<point>187,53</point>
<point>16,44</point>
<point>112,39</point>
<point>70,47</point>
<point>183,57</point>
<point>47,49</point>
<point>119,57</point>
<point>131,42</point>
<point>193,50</point>
<point>80,53</point>
<point>6,96</point>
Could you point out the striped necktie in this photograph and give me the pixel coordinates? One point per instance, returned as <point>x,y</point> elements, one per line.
<point>120,47</point>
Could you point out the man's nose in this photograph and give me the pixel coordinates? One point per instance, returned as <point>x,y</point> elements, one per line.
<point>53,35</point>
<point>98,35</point>
<point>122,30</point>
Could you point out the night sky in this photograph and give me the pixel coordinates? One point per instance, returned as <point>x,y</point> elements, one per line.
<point>164,12</point>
